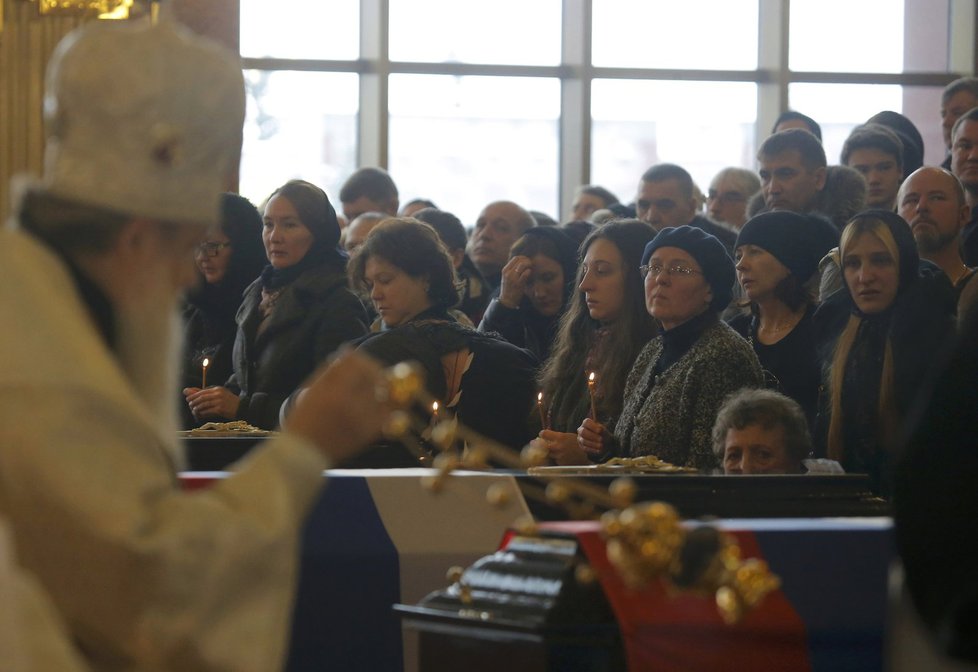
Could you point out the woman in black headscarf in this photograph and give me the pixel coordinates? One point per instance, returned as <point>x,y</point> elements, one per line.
<point>899,319</point>
<point>294,316</point>
<point>229,259</point>
<point>537,282</point>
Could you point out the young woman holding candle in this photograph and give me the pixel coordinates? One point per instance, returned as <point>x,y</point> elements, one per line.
<point>602,331</point>
<point>292,317</point>
<point>228,260</point>
<point>485,381</point>
<point>537,282</point>
<point>899,319</point>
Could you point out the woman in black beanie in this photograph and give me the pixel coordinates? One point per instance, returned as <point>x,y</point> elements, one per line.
<point>681,378</point>
<point>229,260</point>
<point>777,253</point>
<point>292,317</point>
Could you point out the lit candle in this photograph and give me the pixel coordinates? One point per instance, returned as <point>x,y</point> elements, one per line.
<point>543,420</point>
<point>590,389</point>
<point>434,413</point>
<point>203,365</point>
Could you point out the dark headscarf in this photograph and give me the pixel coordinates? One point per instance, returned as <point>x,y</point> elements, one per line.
<point>241,223</point>
<point>913,142</point>
<point>317,214</point>
<point>909,262</point>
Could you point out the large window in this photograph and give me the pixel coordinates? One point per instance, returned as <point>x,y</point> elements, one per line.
<point>470,102</point>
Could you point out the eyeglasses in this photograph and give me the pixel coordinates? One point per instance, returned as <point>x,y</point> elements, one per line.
<point>726,198</point>
<point>675,269</point>
<point>210,249</point>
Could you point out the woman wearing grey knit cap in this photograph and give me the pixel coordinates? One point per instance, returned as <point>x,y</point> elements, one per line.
<point>681,377</point>
<point>777,253</point>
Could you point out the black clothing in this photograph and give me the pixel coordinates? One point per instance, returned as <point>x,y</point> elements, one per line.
<point>969,240</point>
<point>313,316</point>
<point>917,328</point>
<point>791,366</point>
<point>676,342</point>
<point>474,295</point>
<point>935,500</point>
<point>209,330</point>
<point>723,234</point>
<point>497,392</point>
<point>524,326</point>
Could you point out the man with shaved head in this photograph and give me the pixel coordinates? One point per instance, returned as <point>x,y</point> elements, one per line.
<point>499,225</point>
<point>933,203</point>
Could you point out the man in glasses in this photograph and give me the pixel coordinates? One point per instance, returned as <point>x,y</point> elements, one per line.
<point>730,190</point>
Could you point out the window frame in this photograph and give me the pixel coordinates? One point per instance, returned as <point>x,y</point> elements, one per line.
<point>576,73</point>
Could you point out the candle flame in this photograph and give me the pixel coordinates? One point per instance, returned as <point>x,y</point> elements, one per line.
<point>540,398</point>
<point>434,407</point>
<point>590,378</point>
<point>206,362</point>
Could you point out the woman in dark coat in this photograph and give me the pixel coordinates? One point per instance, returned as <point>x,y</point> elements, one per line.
<point>293,317</point>
<point>228,260</point>
<point>777,253</point>
<point>899,320</point>
<point>537,282</point>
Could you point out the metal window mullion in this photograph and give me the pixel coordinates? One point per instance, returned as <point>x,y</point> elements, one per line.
<point>574,128</point>
<point>373,127</point>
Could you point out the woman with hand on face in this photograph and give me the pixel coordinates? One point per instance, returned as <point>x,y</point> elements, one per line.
<point>777,253</point>
<point>899,319</point>
<point>602,331</point>
<point>292,317</point>
<point>681,378</point>
<point>537,282</point>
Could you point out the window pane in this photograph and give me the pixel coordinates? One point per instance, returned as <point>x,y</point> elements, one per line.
<point>846,36</point>
<point>510,32</point>
<point>702,126</point>
<point>838,108</point>
<point>310,29</point>
<point>922,105</point>
<point>298,125</point>
<point>693,34</point>
<point>462,142</point>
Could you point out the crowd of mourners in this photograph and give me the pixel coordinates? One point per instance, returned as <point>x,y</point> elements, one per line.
<point>781,323</point>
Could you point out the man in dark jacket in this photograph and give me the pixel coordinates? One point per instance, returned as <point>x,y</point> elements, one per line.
<point>795,176</point>
<point>665,200</point>
<point>964,165</point>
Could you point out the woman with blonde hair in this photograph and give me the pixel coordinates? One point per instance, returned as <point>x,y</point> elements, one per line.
<point>899,317</point>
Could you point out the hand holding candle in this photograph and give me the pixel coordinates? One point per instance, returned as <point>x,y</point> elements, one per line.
<point>590,389</point>
<point>203,365</point>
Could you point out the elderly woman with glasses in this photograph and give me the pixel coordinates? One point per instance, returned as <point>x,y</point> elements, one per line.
<point>680,379</point>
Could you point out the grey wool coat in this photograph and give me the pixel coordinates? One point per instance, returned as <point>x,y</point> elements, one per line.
<point>671,415</point>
